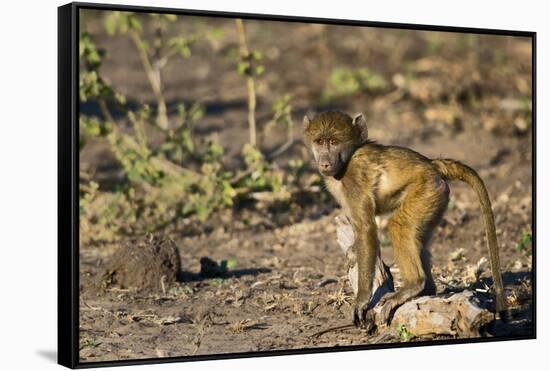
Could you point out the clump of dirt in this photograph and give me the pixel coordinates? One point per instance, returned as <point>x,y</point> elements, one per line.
<point>148,263</point>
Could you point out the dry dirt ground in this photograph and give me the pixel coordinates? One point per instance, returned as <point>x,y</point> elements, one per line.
<point>284,276</point>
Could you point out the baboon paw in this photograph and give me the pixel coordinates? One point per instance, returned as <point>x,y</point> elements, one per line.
<point>362,317</point>
<point>370,322</point>
<point>385,314</point>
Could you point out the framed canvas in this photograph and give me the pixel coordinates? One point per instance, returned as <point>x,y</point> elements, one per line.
<point>242,185</point>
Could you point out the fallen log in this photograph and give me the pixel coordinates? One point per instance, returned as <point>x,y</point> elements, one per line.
<point>457,315</point>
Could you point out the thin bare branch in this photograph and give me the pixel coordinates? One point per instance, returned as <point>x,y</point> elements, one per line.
<point>152,71</point>
<point>250,83</point>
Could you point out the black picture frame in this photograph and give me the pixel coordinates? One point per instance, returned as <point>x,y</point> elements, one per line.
<point>68,170</point>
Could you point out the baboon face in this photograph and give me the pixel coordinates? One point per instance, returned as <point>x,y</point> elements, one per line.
<point>332,138</point>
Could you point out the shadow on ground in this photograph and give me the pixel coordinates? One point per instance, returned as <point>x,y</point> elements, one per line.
<point>211,269</point>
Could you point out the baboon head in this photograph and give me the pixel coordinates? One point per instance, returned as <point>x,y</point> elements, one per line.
<point>333,137</point>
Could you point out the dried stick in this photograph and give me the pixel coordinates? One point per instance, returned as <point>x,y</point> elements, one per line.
<point>152,71</point>
<point>250,83</point>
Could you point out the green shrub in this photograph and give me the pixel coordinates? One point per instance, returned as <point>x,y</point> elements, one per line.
<point>168,172</point>
<point>345,81</point>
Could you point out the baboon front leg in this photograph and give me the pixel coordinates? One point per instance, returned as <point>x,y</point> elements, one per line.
<point>366,249</point>
<point>383,280</point>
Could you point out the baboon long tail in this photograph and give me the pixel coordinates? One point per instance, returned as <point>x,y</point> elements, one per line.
<point>454,170</point>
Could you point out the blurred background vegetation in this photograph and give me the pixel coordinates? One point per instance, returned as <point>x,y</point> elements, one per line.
<point>189,122</point>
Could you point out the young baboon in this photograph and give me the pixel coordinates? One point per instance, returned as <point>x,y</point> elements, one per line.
<point>368,179</point>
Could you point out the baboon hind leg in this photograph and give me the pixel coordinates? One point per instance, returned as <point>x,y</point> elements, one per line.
<point>410,229</point>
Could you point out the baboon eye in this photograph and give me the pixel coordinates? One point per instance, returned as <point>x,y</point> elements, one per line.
<point>319,141</point>
<point>334,142</point>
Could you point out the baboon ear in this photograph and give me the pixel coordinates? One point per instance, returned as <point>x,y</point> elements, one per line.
<point>361,124</point>
<point>306,122</point>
